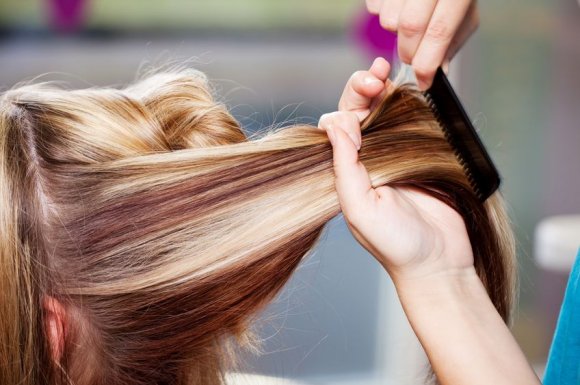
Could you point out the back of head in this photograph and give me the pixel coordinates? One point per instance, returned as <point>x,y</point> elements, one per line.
<point>53,144</point>
<point>162,230</point>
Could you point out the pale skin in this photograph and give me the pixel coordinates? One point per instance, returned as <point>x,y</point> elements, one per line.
<point>430,32</point>
<point>423,245</point>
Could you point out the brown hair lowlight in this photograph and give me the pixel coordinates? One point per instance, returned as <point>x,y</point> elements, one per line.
<point>163,230</point>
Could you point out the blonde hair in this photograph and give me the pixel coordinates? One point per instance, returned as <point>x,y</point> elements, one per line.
<point>163,229</point>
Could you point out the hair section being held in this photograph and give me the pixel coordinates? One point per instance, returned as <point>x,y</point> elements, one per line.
<point>163,230</point>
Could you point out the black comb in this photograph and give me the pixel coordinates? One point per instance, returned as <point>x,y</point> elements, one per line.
<point>461,135</point>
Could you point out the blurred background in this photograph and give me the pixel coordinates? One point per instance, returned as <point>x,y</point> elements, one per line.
<point>339,321</point>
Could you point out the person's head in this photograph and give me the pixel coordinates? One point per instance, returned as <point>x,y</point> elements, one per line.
<point>141,230</point>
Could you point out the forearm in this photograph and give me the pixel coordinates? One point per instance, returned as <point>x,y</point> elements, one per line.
<point>464,337</point>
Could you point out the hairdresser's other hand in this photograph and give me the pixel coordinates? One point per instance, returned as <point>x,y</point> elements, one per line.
<point>413,235</point>
<point>430,32</point>
<point>410,233</point>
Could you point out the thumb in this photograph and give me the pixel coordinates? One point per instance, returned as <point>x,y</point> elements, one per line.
<point>353,185</point>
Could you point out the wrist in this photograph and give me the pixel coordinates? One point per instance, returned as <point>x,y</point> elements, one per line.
<point>459,285</point>
<point>464,336</point>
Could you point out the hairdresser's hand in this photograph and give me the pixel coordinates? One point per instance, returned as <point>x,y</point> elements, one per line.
<point>410,233</point>
<point>430,32</point>
<point>424,246</point>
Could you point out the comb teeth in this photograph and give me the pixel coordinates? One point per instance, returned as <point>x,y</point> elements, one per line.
<point>462,162</point>
<point>461,135</point>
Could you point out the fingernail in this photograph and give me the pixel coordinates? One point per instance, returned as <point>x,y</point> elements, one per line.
<point>445,67</point>
<point>371,80</point>
<point>355,140</point>
<point>331,134</point>
<point>391,23</point>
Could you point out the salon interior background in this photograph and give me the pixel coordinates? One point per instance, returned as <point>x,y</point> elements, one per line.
<point>276,61</point>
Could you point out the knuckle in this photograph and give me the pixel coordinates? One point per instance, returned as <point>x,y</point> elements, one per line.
<point>356,78</point>
<point>385,192</point>
<point>373,6</point>
<point>342,122</point>
<point>355,75</point>
<point>424,71</point>
<point>439,31</point>
<point>404,54</point>
<point>353,118</point>
<point>326,119</point>
<point>346,120</point>
<point>387,22</point>
<point>411,27</point>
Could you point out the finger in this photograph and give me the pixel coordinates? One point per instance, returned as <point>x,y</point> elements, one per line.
<point>346,121</point>
<point>466,29</point>
<point>380,68</point>
<point>373,6</point>
<point>359,91</point>
<point>360,88</point>
<point>389,14</point>
<point>352,181</point>
<point>444,23</point>
<point>413,23</point>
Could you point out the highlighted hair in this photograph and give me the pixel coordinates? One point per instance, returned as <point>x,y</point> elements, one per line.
<point>163,230</point>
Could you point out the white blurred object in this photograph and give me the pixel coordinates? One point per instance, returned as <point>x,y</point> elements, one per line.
<point>253,379</point>
<point>557,240</point>
<point>351,379</point>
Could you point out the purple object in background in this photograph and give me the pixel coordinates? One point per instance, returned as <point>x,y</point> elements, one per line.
<point>67,15</point>
<point>375,40</point>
